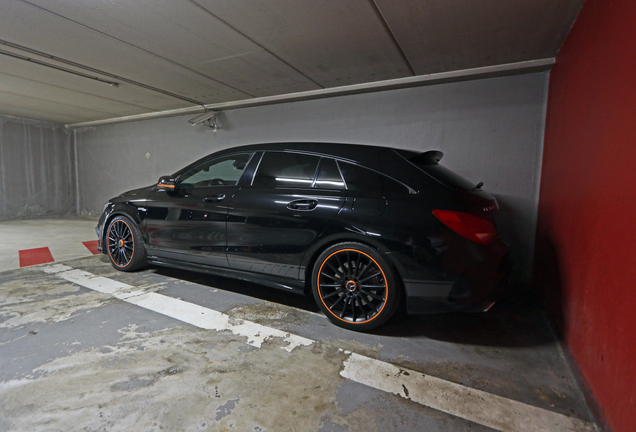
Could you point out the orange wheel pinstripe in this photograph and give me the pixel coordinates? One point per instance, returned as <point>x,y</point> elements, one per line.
<point>117,243</point>
<point>348,289</point>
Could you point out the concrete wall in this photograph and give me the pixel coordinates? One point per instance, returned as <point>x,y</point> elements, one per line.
<point>586,265</point>
<point>37,169</point>
<point>490,130</point>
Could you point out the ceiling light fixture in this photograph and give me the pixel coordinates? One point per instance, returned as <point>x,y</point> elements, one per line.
<point>84,67</point>
<point>60,68</point>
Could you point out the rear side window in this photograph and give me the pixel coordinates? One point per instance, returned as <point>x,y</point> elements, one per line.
<point>370,182</point>
<point>288,170</point>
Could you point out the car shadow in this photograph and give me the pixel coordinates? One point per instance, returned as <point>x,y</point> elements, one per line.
<point>241,287</point>
<point>518,319</point>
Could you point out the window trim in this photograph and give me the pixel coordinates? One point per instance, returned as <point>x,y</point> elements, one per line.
<point>261,154</point>
<point>322,158</point>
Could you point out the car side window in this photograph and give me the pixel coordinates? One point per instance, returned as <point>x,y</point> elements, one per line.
<point>223,171</point>
<point>329,175</point>
<point>288,170</point>
<point>370,182</point>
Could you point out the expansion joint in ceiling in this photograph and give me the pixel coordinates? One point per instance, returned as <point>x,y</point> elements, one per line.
<point>106,35</point>
<point>230,26</point>
<point>396,43</point>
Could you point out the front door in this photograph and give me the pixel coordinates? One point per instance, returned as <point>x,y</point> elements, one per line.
<point>189,223</point>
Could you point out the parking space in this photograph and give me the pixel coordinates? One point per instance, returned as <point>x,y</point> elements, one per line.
<point>31,241</point>
<point>85,347</point>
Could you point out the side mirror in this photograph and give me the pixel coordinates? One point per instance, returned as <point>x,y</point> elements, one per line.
<point>167,183</point>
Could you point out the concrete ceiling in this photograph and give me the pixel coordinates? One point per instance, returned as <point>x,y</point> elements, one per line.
<point>58,58</point>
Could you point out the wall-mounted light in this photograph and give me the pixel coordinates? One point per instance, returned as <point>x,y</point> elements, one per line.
<point>208,118</point>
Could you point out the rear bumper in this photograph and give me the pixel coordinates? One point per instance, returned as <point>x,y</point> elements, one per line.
<point>467,277</point>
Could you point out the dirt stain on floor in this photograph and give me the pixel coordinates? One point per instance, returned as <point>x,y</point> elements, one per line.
<point>178,380</point>
<point>39,298</point>
<point>269,314</point>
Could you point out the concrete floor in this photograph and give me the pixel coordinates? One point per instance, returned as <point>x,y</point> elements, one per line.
<point>63,236</point>
<point>85,347</point>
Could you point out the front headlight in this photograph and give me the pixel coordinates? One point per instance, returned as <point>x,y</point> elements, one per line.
<point>105,205</point>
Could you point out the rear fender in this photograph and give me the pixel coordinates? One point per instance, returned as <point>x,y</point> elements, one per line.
<point>345,234</point>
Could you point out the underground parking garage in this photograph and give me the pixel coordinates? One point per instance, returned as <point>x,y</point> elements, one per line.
<point>534,100</point>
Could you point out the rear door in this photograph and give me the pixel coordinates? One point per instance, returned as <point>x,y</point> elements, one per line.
<point>272,222</point>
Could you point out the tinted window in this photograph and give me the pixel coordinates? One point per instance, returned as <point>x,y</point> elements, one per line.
<point>224,171</point>
<point>392,187</point>
<point>329,176</point>
<point>445,175</point>
<point>361,179</point>
<point>369,182</point>
<point>290,170</point>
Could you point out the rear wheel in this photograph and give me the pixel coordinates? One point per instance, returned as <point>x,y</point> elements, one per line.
<point>125,246</point>
<point>355,286</point>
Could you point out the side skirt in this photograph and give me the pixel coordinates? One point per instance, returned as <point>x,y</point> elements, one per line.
<point>295,286</point>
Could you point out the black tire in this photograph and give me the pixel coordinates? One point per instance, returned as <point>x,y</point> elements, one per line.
<point>124,245</point>
<point>355,286</point>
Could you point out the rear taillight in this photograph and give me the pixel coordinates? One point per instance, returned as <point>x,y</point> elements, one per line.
<point>474,228</point>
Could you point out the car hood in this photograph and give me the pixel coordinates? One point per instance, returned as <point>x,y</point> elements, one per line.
<point>140,193</point>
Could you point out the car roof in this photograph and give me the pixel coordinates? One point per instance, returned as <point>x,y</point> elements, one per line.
<point>368,155</point>
<point>386,160</point>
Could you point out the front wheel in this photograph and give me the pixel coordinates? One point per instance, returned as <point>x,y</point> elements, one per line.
<point>355,286</point>
<point>125,245</point>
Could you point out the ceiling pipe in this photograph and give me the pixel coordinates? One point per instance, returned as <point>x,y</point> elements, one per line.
<point>529,66</point>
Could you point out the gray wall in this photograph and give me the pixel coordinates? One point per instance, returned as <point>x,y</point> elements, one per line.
<point>37,169</point>
<point>490,130</point>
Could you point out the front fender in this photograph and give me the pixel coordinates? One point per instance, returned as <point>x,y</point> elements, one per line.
<point>121,209</point>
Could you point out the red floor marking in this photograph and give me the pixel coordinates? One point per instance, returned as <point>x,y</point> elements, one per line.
<point>29,257</point>
<point>92,246</point>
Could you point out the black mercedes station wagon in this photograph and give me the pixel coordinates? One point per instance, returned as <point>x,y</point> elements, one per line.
<point>363,228</point>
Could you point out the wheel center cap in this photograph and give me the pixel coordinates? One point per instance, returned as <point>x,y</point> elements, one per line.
<point>121,243</point>
<point>351,286</point>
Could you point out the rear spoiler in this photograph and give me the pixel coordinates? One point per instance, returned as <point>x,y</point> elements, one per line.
<point>431,157</point>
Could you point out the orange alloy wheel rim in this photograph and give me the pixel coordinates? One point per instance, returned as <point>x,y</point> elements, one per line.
<point>121,242</point>
<point>351,285</point>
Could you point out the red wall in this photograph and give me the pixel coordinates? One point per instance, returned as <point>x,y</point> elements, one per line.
<point>585,261</point>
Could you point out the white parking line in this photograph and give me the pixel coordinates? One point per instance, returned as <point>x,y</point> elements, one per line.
<point>190,313</point>
<point>468,403</point>
<point>477,406</point>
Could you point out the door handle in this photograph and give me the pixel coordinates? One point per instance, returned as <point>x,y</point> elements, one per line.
<point>305,205</point>
<point>214,198</point>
